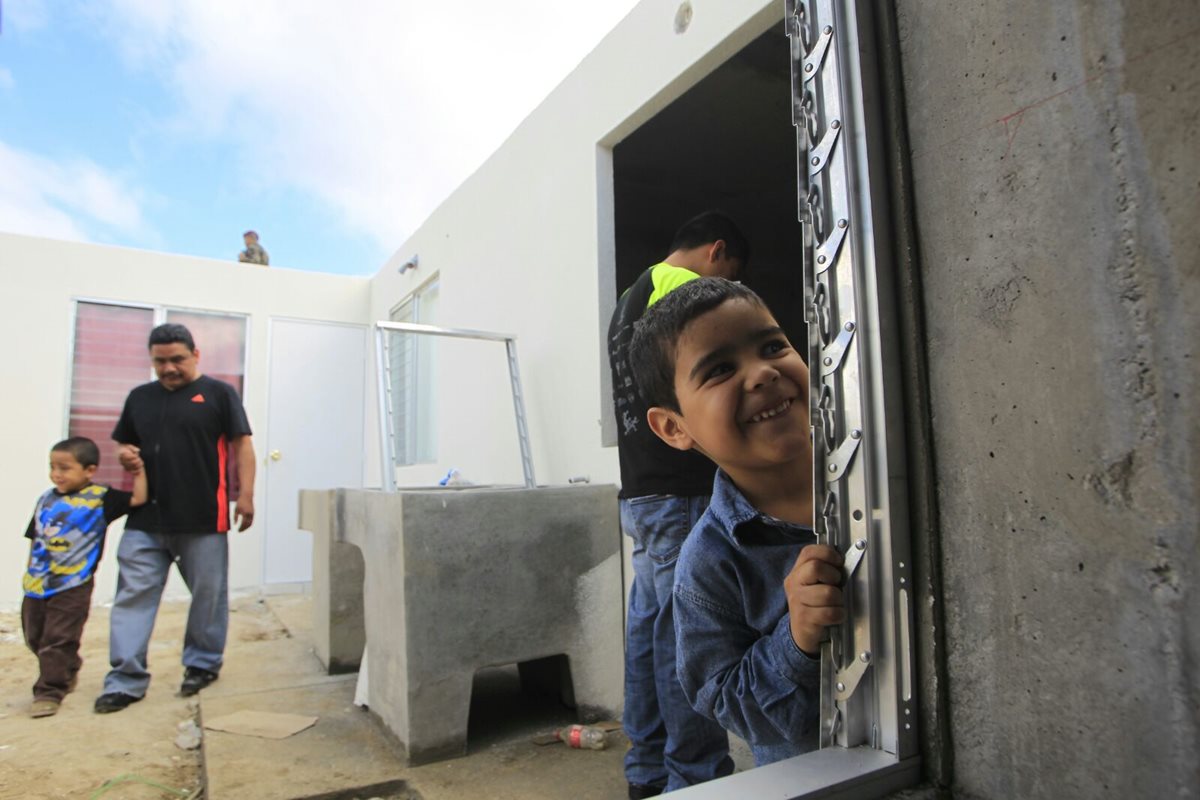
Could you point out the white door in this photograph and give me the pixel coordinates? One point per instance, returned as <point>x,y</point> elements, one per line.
<point>314,431</point>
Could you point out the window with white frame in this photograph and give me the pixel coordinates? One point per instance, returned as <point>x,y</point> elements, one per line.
<point>411,367</point>
<point>109,357</point>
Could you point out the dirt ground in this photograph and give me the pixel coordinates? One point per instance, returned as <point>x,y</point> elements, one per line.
<point>270,666</point>
<point>73,754</point>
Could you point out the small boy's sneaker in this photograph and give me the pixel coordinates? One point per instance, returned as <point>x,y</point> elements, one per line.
<point>43,708</point>
<point>195,679</point>
<point>640,791</point>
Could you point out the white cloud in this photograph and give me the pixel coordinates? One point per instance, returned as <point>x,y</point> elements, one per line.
<point>64,200</point>
<point>379,109</point>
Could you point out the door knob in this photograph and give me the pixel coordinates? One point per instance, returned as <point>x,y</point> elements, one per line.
<point>276,455</point>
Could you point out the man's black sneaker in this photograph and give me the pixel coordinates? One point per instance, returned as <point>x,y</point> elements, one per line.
<point>195,679</point>
<point>638,791</point>
<point>113,701</point>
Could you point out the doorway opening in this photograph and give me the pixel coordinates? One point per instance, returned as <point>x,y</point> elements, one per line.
<point>726,144</point>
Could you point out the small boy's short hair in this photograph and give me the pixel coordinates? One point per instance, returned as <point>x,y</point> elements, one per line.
<point>82,448</point>
<point>656,335</point>
<point>172,333</point>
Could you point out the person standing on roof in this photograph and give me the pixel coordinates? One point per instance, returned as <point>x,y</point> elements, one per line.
<point>664,492</point>
<point>254,252</point>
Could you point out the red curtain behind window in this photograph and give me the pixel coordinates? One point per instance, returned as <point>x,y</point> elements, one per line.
<point>110,359</point>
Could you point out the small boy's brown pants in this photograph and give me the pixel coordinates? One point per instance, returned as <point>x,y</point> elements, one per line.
<point>53,627</point>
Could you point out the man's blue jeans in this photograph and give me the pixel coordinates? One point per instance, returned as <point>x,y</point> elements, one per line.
<point>673,746</point>
<point>144,560</point>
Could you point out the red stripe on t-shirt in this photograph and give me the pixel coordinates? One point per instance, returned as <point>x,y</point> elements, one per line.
<point>222,485</point>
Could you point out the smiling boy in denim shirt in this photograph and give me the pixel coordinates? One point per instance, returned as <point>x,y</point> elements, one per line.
<point>753,592</point>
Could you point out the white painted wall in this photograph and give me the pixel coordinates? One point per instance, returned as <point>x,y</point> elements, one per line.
<point>520,246</point>
<point>39,278</point>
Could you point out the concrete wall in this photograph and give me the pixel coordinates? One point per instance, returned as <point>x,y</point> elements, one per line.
<point>1055,165</point>
<point>39,278</point>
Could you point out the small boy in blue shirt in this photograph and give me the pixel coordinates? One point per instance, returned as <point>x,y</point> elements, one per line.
<point>66,537</point>
<point>753,591</point>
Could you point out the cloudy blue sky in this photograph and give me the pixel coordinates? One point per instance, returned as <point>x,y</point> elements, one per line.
<point>333,129</point>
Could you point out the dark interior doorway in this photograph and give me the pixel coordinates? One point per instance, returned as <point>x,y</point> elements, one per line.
<point>728,144</point>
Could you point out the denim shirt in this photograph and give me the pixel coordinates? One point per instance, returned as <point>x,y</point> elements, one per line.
<point>734,650</point>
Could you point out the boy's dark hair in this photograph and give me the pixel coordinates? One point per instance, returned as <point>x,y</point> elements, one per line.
<point>172,333</point>
<point>707,228</point>
<point>656,335</point>
<point>82,448</point>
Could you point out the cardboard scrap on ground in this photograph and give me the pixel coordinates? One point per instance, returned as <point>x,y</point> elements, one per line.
<point>264,724</point>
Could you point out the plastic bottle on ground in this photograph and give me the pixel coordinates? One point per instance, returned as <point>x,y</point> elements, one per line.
<point>583,737</point>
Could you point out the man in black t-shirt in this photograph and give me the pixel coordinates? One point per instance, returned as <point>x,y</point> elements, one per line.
<point>184,429</point>
<point>664,492</point>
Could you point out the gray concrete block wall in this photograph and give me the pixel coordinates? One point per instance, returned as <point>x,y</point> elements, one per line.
<point>1056,166</point>
<point>338,625</point>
